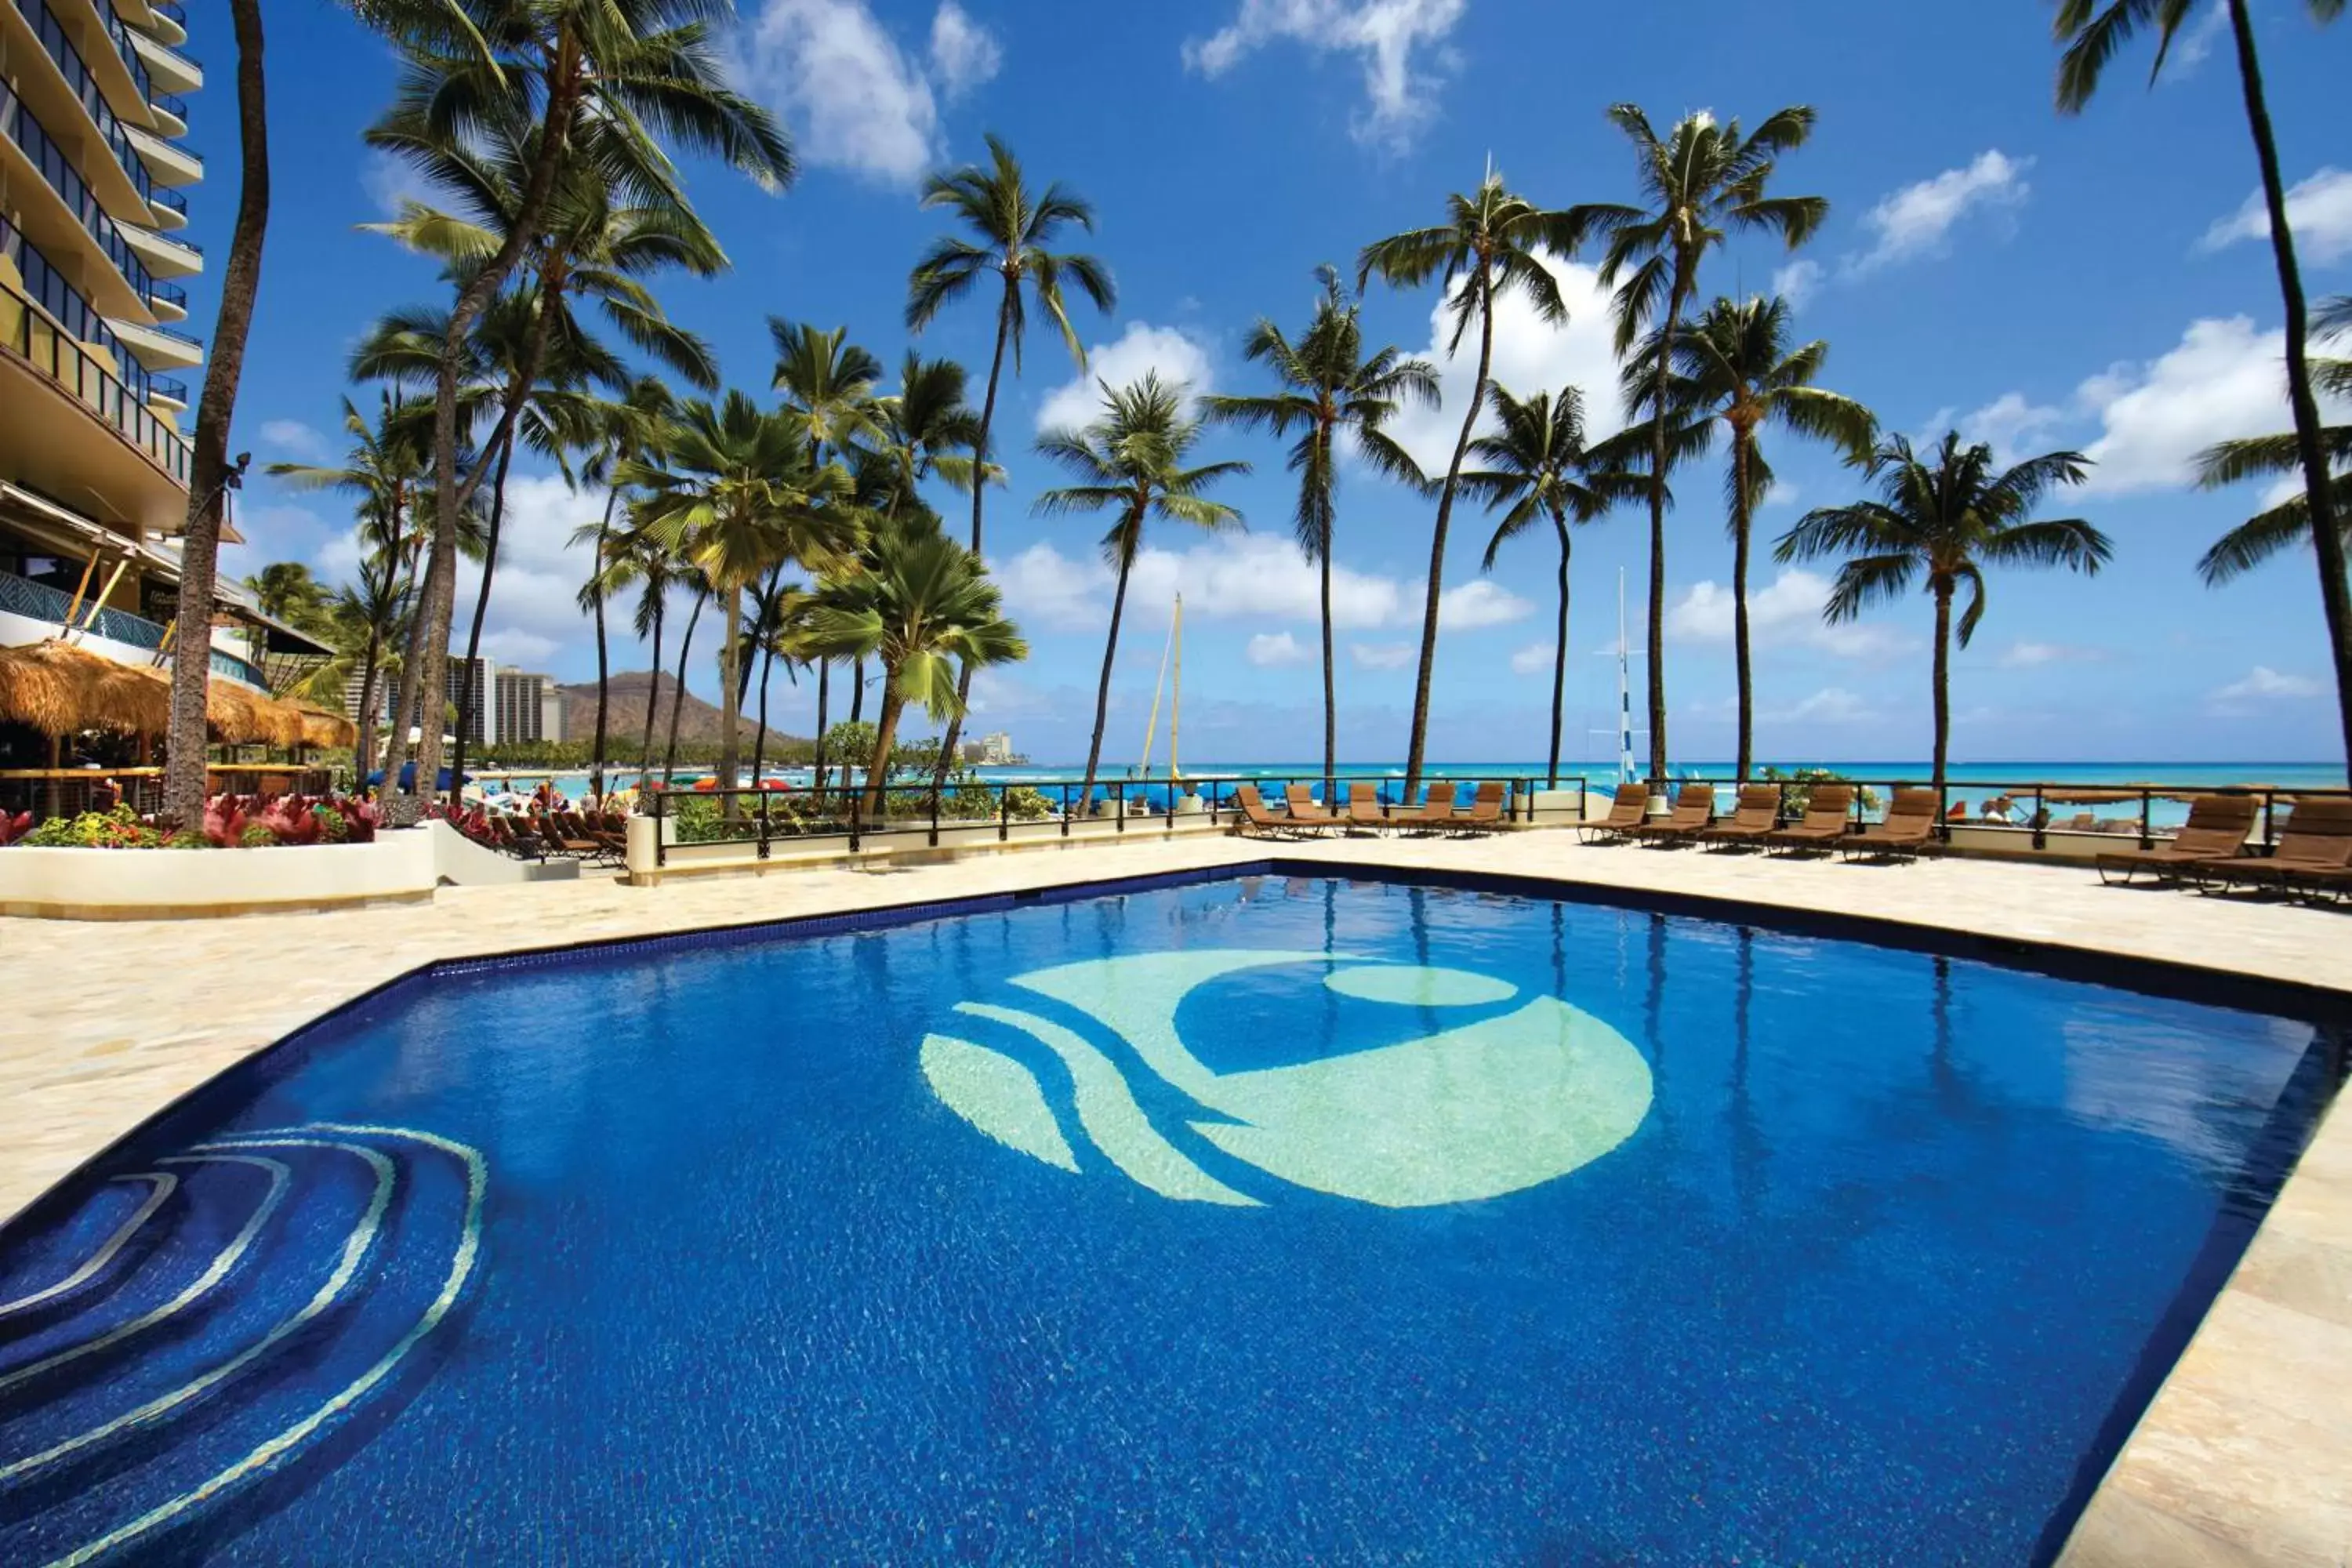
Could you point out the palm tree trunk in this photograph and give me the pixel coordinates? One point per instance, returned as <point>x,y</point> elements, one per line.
<point>886,735</point>
<point>1742,446</point>
<point>678,690</point>
<point>1414,752</point>
<point>1330,685</point>
<point>1110,653</point>
<point>2327,542</point>
<point>185,781</point>
<point>653,701</point>
<point>759,740</point>
<point>604,663</point>
<point>1657,645</point>
<point>466,697</point>
<point>1943,677</point>
<point>950,742</point>
<point>431,641</point>
<point>730,696</point>
<point>363,745</point>
<point>857,689</point>
<point>823,681</point>
<point>1559,653</point>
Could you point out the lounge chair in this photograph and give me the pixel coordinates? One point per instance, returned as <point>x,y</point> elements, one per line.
<point>1364,808</point>
<point>2216,830</point>
<point>1693,811</point>
<point>1436,815</point>
<point>1908,832</point>
<point>1757,818</point>
<point>561,842</point>
<point>1257,822</point>
<point>2317,839</point>
<point>1826,813</point>
<point>1305,810</point>
<point>1626,813</point>
<point>1485,813</point>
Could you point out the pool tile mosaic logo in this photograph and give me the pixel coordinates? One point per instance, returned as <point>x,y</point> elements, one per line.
<point>1505,1101</point>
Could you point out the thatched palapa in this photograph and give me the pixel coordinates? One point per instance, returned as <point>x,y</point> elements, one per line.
<point>320,728</point>
<point>59,689</point>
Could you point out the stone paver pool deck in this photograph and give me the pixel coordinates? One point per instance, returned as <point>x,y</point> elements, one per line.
<point>2246,1456</point>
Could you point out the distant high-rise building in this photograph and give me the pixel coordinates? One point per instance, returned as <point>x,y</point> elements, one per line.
<point>996,750</point>
<point>529,707</point>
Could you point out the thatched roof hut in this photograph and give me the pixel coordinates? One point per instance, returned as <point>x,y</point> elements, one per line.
<point>320,728</point>
<point>60,690</point>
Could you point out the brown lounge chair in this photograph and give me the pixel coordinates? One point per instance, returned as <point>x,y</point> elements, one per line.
<point>1626,813</point>
<point>1485,813</point>
<point>1826,813</point>
<point>1757,818</point>
<point>1257,822</point>
<point>1305,811</point>
<point>2315,842</point>
<point>2216,830</point>
<point>1364,809</point>
<point>1693,811</point>
<point>1908,832</point>
<point>1435,815</point>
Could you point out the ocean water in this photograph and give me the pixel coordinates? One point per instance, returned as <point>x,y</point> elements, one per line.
<point>1252,1220</point>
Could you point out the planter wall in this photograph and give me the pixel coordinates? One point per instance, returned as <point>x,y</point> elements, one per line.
<point>195,884</point>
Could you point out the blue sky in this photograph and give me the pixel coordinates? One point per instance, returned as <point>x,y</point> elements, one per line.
<point>2040,282</point>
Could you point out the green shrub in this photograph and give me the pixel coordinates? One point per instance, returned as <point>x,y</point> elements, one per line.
<point>256,837</point>
<point>187,838</point>
<point>332,827</point>
<point>118,829</point>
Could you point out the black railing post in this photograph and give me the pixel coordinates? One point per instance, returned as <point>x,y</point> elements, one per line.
<point>1118,790</point>
<point>2270,821</point>
<point>2040,820</point>
<point>1944,813</point>
<point>856,815</point>
<point>935,819</point>
<point>1003,813</point>
<point>661,832</point>
<point>2146,821</point>
<point>1066,811</point>
<point>763,825</point>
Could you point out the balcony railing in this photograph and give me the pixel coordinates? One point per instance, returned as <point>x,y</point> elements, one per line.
<point>171,8</point>
<point>58,171</point>
<point>41,601</point>
<point>34,338</point>
<point>165,196</point>
<point>172,104</point>
<point>170,293</point>
<point>235,668</point>
<point>170,386</point>
<point>57,43</point>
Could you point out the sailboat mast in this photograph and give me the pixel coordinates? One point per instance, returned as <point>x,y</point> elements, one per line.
<point>1176,692</point>
<point>1625,693</point>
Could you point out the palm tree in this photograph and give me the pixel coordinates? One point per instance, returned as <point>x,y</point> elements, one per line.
<point>363,621</point>
<point>921,429</point>
<point>737,491</point>
<point>777,628</point>
<point>1945,518</point>
<point>185,781</point>
<point>628,428</point>
<point>1539,467</point>
<point>1008,231</point>
<point>603,80</point>
<point>1329,385</point>
<point>828,385</point>
<point>1735,366</point>
<point>1490,244</point>
<point>2264,535</point>
<point>631,559</point>
<point>2094,31</point>
<point>927,608</point>
<point>1131,462</point>
<point>1702,181</point>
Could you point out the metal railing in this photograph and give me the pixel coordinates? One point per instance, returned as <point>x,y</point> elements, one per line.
<point>170,293</point>
<point>38,341</point>
<point>235,668</point>
<point>177,200</point>
<point>62,175</point>
<point>59,45</point>
<point>2036,824</point>
<point>42,602</point>
<point>766,817</point>
<point>170,386</point>
<point>171,103</point>
<point>171,8</point>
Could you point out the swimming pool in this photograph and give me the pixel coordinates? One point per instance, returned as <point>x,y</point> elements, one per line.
<point>1257,1218</point>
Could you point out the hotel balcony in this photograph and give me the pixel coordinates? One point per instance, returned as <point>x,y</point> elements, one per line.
<point>172,71</point>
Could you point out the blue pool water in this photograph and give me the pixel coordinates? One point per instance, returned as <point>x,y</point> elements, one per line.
<point>1253,1220</point>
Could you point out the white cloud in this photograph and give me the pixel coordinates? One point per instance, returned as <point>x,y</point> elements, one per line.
<point>293,438</point>
<point>534,608</point>
<point>512,645</point>
<point>2265,684</point>
<point>2014,428</point>
<point>1918,219</point>
<point>1269,648</point>
<point>2022,655</point>
<point>1475,604</point>
<point>1780,492</point>
<point>1177,357</point>
<point>1534,657</point>
<point>857,100</point>
<point>2319,211</point>
<point>2224,379</point>
<point>1830,705</point>
<point>1797,282</point>
<point>389,181</point>
<point>2194,46</point>
<point>1530,355</point>
<point>1231,577</point>
<point>1787,613</point>
<point>964,54</point>
<point>1401,44</point>
<point>1381,655</point>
